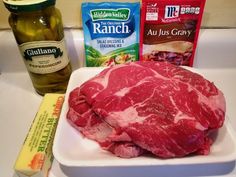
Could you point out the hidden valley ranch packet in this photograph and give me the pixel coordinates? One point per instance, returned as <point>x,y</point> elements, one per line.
<point>111,32</point>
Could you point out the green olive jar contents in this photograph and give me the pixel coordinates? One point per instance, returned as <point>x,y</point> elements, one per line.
<point>38,30</point>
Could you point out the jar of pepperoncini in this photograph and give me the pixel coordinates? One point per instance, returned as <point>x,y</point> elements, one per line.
<point>38,30</point>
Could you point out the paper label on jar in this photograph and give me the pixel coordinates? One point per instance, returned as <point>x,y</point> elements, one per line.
<point>44,57</point>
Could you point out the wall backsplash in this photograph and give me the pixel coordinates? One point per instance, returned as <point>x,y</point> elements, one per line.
<point>217,14</point>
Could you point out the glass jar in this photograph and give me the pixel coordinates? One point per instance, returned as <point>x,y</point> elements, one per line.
<point>38,30</point>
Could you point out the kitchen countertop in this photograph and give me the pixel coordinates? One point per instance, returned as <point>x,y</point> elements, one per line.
<point>215,58</point>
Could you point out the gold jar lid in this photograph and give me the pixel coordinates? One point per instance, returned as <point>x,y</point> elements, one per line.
<point>16,6</point>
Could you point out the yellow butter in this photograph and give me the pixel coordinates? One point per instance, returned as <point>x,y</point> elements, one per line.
<point>35,157</point>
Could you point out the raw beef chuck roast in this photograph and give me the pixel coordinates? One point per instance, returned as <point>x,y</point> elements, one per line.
<point>144,107</point>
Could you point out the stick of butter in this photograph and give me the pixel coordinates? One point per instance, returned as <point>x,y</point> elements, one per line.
<point>35,157</point>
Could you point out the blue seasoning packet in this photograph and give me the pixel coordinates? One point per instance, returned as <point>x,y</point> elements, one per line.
<point>111,32</point>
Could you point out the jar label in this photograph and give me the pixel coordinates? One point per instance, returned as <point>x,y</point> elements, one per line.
<point>44,57</point>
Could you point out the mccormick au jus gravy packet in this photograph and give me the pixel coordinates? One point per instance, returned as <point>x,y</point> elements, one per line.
<point>169,30</point>
<point>111,32</point>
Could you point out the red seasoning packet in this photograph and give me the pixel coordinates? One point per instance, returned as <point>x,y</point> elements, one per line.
<point>169,30</point>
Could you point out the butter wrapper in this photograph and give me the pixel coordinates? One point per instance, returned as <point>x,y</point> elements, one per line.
<point>35,158</point>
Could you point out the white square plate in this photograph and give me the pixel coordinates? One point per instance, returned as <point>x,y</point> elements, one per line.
<point>70,148</point>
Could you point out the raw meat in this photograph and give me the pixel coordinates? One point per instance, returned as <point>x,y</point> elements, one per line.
<point>148,107</point>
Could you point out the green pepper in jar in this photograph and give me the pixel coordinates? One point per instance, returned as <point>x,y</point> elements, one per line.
<point>38,30</point>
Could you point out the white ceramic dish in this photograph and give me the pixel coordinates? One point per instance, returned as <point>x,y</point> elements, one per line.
<point>71,149</point>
